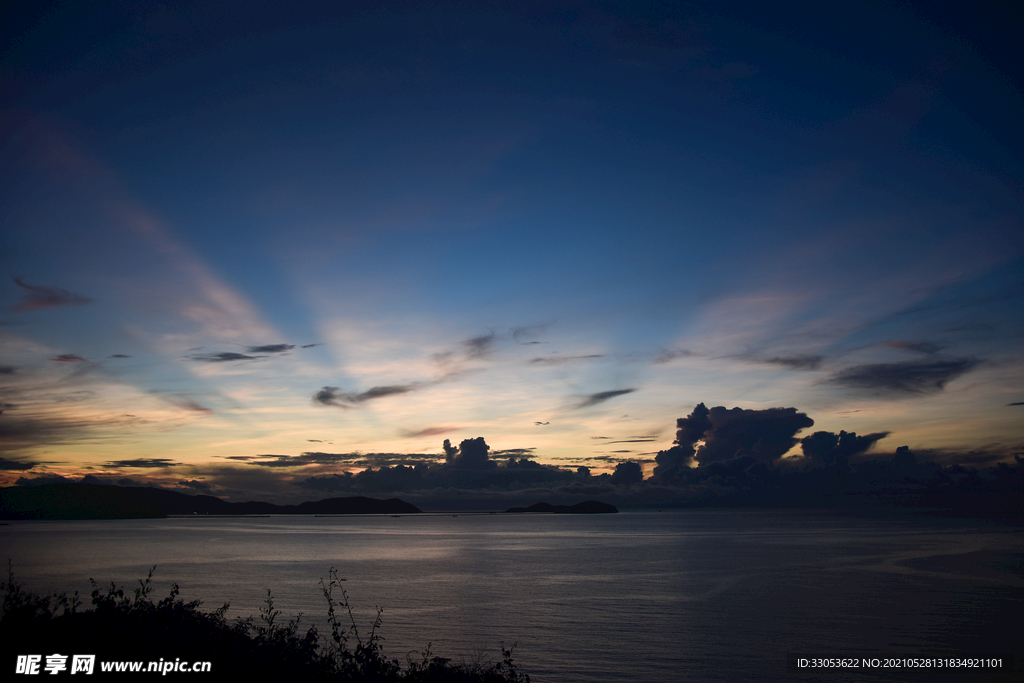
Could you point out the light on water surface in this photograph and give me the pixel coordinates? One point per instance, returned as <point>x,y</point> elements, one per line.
<point>676,595</point>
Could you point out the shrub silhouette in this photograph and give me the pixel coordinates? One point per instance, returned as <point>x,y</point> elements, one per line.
<point>122,627</point>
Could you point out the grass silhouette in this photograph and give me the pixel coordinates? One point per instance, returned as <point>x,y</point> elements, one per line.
<point>124,626</point>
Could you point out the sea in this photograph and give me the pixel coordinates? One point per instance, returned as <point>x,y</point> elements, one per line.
<point>672,595</point>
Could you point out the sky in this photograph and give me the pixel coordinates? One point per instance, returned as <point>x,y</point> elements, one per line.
<point>248,248</point>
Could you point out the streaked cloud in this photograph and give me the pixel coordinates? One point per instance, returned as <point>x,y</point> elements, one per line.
<point>602,396</point>
<point>273,348</point>
<point>38,297</point>
<point>908,378</point>
<point>333,396</point>
<point>223,357</point>
<point>143,463</point>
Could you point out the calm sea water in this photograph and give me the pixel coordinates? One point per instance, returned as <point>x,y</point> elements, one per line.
<point>638,596</point>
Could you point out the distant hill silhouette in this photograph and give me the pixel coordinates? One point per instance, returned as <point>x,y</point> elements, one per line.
<point>97,501</point>
<point>587,507</point>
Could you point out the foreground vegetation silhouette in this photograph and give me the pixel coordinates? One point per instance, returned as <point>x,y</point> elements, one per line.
<point>122,627</point>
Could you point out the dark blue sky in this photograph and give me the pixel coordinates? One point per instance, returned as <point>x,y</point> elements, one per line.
<point>502,214</point>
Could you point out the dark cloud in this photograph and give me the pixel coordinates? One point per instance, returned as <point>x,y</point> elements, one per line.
<point>119,355</point>
<point>602,396</point>
<point>195,484</point>
<point>381,392</point>
<point>680,457</point>
<point>761,434</point>
<point>720,434</point>
<point>44,479</point>
<point>627,474</point>
<point>10,465</point>
<point>37,297</point>
<point>354,459</point>
<point>223,357</point>
<point>795,362</point>
<point>481,346</point>
<point>904,378</point>
<point>515,452</point>
<point>144,463</point>
<point>309,346</point>
<point>7,369</point>
<point>827,448</point>
<point>428,431</point>
<point>1018,403</point>
<point>69,358</point>
<point>271,348</point>
<point>667,355</point>
<point>328,396</point>
<point>333,396</point>
<point>541,424</point>
<point>558,360</point>
<point>927,348</point>
<point>471,454</point>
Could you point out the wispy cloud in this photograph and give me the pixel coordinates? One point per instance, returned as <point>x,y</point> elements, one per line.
<point>558,360</point>
<point>353,459</point>
<point>904,378</point>
<point>223,357</point>
<point>429,431</point>
<point>186,403</point>
<point>333,396</point>
<point>602,396</point>
<point>69,358</point>
<point>479,347</point>
<point>272,348</point>
<point>143,463</point>
<point>668,355</point>
<point>928,348</point>
<point>795,362</point>
<point>38,297</point>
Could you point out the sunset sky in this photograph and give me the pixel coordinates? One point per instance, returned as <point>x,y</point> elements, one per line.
<point>235,231</point>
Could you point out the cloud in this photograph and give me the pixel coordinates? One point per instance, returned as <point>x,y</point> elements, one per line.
<point>667,355</point>
<point>478,347</point>
<point>558,360</point>
<point>354,459</point>
<point>144,463</point>
<point>1018,403</point>
<point>223,357</point>
<point>10,465</point>
<point>333,396</point>
<point>119,355</point>
<point>515,453</point>
<point>904,378</point>
<point>720,434</point>
<point>602,396</point>
<point>927,348</point>
<point>271,348</point>
<point>195,484</point>
<point>795,362</point>
<point>7,369</point>
<point>428,431</point>
<point>69,358</point>
<point>471,454</point>
<point>524,335</point>
<point>186,403</point>
<point>827,448</point>
<point>309,346</point>
<point>37,297</point>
